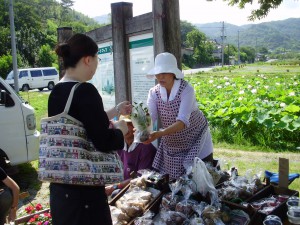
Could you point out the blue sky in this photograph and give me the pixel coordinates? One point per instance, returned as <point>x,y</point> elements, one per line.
<point>197,11</point>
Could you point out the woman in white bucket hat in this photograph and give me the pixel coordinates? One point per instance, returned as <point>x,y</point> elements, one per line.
<point>185,133</point>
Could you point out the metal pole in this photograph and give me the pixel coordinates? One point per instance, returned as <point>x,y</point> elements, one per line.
<point>222,43</point>
<point>13,45</point>
<point>228,55</point>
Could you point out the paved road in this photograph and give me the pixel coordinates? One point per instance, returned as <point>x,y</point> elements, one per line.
<point>192,71</point>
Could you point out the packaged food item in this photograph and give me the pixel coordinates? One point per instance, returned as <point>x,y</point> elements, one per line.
<point>272,220</point>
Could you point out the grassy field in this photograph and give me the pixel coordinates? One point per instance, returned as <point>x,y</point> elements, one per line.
<point>256,162</point>
<point>244,157</point>
<point>261,68</point>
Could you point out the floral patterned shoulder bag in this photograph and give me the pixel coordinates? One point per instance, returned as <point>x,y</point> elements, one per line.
<point>67,156</point>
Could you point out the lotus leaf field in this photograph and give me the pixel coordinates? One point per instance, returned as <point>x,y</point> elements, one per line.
<point>257,109</point>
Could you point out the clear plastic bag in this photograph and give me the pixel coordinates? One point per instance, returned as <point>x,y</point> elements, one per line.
<point>141,120</point>
<point>204,181</point>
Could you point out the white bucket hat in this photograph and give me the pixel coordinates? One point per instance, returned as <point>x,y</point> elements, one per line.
<point>165,63</point>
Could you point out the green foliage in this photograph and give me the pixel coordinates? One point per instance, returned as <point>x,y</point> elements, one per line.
<point>247,54</point>
<point>4,40</point>
<point>185,67</point>
<point>5,65</point>
<point>230,51</point>
<point>261,109</point>
<point>39,101</point>
<point>46,56</point>
<point>188,60</point>
<point>185,28</point>
<point>203,49</point>
<point>36,23</point>
<point>264,7</point>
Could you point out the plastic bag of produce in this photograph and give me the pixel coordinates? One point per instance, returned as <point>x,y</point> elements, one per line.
<point>141,120</point>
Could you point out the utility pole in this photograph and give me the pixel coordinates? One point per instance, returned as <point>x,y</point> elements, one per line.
<point>13,45</point>
<point>239,55</point>
<point>223,37</point>
<point>228,55</point>
<point>255,56</point>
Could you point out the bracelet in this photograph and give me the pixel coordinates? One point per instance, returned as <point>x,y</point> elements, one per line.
<point>14,207</point>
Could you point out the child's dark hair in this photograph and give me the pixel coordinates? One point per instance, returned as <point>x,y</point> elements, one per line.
<point>78,46</point>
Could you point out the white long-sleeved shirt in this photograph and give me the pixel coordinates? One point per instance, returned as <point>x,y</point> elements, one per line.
<point>187,106</point>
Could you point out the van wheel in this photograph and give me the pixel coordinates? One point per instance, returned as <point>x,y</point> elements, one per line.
<point>40,89</point>
<point>25,87</point>
<point>50,85</point>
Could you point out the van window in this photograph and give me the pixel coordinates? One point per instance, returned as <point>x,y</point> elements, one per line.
<point>9,101</point>
<point>10,76</point>
<point>49,72</point>
<point>23,74</point>
<point>36,73</point>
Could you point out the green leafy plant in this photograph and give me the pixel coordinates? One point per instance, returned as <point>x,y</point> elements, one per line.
<point>141,120</point>
<point>264,104</point>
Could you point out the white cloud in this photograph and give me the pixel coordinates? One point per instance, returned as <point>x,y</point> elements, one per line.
<point>197,11</point>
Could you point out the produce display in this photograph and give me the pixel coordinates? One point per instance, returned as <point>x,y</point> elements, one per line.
<point>239,188</point>
<point>237,200</point>
<point>134,201</point>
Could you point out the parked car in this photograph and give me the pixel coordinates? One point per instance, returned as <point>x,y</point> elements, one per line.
<point>31,78</point>
<point>19,138</point>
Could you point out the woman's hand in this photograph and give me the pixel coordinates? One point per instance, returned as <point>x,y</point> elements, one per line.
<point>153,136</point>
<point>124,108</point>
<point>175,127</point>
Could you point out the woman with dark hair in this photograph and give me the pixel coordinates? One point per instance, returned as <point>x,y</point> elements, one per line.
<point>9,197</point>
<point>75,204</point>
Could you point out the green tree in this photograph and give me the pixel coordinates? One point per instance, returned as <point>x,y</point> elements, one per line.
<point>46,56</point>
<point>51,34</point>
<point>5,43</point>
<point>5,65</point>
<point>263,50</point>
<point>261,12</point>
<point>203,48</point>
<point>29,31</point>
<point>36,23</point>
<point>65,10</point>
<point>185,28</point>
<point>247,54</point>
<point>230,51</point>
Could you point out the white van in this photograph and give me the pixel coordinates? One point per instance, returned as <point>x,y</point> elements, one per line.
<point>19,139</point>
<point>31,78</point>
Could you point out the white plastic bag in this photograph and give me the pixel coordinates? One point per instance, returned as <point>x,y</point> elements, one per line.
<point>204,181</point>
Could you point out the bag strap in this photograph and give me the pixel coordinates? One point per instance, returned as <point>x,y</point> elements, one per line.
<point>68,104</point>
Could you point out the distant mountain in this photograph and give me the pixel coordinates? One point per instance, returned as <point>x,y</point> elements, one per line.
<point>104,19</point>
<point>283,34</point>
<point>271,35</point>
